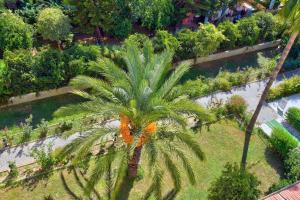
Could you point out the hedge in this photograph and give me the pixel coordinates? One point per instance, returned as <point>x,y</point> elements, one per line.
<point>293,117</point>
<point>282,141</point>
<point>286,88</point>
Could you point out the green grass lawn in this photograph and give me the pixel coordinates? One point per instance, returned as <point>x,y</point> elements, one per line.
<point>223,143</point>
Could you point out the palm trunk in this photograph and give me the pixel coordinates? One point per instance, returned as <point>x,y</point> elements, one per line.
<point>123,191</point>
<point>264,96</point>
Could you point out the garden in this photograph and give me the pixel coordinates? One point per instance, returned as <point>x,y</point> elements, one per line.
<point>126,60</point>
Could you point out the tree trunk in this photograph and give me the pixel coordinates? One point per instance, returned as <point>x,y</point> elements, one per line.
<point>264,96</point>
<point>123,191</point>
<point>133,163</point>
<point>98,34</point>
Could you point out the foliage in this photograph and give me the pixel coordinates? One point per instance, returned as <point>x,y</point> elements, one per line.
<point>282,141</point>
<point>123,28</point>
<point>13,173</point>
<point>43,128</point>
<point>14,33</point>
<point>64,126</point>
<point>267,24</point>
<point>249,31</point>
<point>234,183</point>
<point>285,88</point>
<point>236,106</point>
<point>278,186</point>
<point>187,40</point>
<point>293,117</point>
<point>291,165</point>
<point>44,157</point>
<point>141,96</point>
<point>18,76</point>
<point>49,68</point>
<point>164,40</point>
<point>53,25</point>
<point>153,14</point>
<point>27,129</point>
<point>231,32</point>
<point>137,39</point>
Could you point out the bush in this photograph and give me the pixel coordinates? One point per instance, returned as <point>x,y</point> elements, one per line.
<point>236,106</point>
<point>231,32</point>
<point>53,25</point>
<point>14,33</point>
<point>292,165</point>
<point>293,117</point>
<point>123,28</point>
<point>49,68</point>
<point>18,76</point>
<point>138,39</point>
<point>249,31</point>
<point>27,129</point>
<point>187,40</point>
<point>286,88</point>
<point>43,128</point>
<point>282,141</point>
<point>64,126</point>
<point>164,40</point>
<point>278,186</point>
<point>13,173</point>
<point>266,22</point>
<point>234,183</point>
<point>223,84</point>
<point>44,158</point>
<point>193,88</point>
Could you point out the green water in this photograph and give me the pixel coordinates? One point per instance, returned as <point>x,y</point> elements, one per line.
<point>41,109</point>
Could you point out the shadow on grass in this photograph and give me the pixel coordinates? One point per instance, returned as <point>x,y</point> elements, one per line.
<point>274,161</point>
<point>68,189</point>
<point>97,194</point>
<point>35,179</point>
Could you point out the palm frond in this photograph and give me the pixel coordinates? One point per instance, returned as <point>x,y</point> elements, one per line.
<point>173,170</point>
<point>187,166</point>
<point>151,151</point>
<point>155,187</point>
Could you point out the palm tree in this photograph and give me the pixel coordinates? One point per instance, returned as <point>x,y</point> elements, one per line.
<point>153,119</point>
<point>290,13</point>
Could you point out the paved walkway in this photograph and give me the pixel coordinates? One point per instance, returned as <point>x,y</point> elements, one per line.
<point>251,93</point>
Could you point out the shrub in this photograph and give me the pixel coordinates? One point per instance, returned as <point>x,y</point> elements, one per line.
<point>123,28</point>
<point>153,14</point>
<point>64,126</point>
<point>234,183</point>
<point>27,129</point>
<point>43,128</point>
<point>236,106</point>
<point>187,40</point>
<point>164,40</point>
<point>292,165</point>
<point>223,84</point>
<point>49,68</point>
<point>286,88</point>
<point>44,158</point>
<point>53,25</point>
<point>138,39</point>
<point>249,31</point>
<point>193,88</point>
<point>267,24</point>
<point>282,141</point>
<point>231,32</point>
<point>14,33</point>
<point>18,75</point>
<point>278,186</point>
<point>13,173</point>
<point>293,117</point>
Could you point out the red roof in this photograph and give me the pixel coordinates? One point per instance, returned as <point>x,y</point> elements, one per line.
<point>291,192</point>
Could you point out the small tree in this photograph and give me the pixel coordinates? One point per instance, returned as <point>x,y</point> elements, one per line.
<point>43,128</point>
<point>53,25</point>
<point>27,129</point>
<point>14,33</point>
<point>234,184</point>
<point>44,157</point>
<point>236,106</point>
<point>267,24</point>
<point>13,173</point>
<point>231,32</point>
<point>164,40</point>
<point>249,31</point>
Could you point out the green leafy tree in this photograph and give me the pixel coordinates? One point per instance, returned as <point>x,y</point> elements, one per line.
<point>249,31</point>
<point>267,24</point>
<point>18,75</point>
<point>138,39</point>
<point>53,25</point>
<point>153,14</point>
<point>151,117</point>
<point>165,40</point>
<point>14,33</point>
<point>49,69</point>
<point>231,32</point>
<point>234,184</point>
<point>292,164</point>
